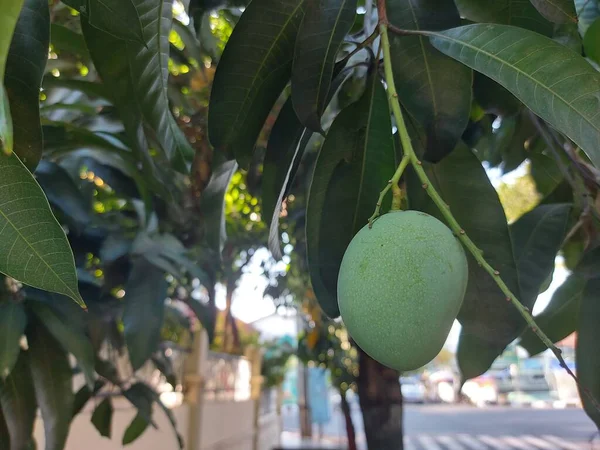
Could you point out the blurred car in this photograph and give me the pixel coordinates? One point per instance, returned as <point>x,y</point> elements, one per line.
<point>481,391</point>
<point>413,390</point>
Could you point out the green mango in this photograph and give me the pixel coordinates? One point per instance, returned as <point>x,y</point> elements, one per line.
<point>400,287</point>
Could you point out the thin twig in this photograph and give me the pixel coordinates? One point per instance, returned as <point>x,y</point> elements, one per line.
<point>439,202</point>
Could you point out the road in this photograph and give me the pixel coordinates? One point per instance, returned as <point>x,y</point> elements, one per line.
<point>459,427</point>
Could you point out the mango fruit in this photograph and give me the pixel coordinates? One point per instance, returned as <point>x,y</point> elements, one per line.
<point>400,287</point>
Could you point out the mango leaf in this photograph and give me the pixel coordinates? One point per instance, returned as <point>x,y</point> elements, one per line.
<point>17,399</point>
<point>12,326</point>
<point>354,164</point>
<point>135,429</point>
<point>139,395</point>
<point>434,89</point>
<point>206,314</point>
<point>323,29</point>
<point>4,435</point>
<point>8,21</point>
<point>488,321</point>
<point>89,88</point>
<point>591,42</point>
<point>53,384</point>
<point>64,194</point>
<point>146,99</point>
<point>557,11</point>
<point>559,319</point>
<point>145,294</point>
<point>25,66</point>
<point>545,172</point>
<point>102,417</point>
<point>587,12</point>
<point>36,248</point>
<point>556,83</point>
<point>493,98</point>
<point>63,326</point>
<point>64,39</point>
<point>213,203</point>
<point>257,60</point>
<point>587,355</point>
<point>537,237</point>
<point>508,12</point>
<point>84,394</point>
<point>119,18</point>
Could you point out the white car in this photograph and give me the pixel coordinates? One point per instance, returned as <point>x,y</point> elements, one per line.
<point>413,391</point>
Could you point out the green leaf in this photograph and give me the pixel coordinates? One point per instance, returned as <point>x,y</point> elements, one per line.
<point>545,173</point>
<point>213,203</point>
<point>145,100</point>
<point>591,42</point>
<point>537,237</point>
<point>64,327</point>
<point>354,164</point>
<point>257,63</point>
<point>36,248</point>
<point>587,355</point>
<point>323,29</point>
<point>206,315</point>
<point>64,39</point>
<point>53,384</point>
<point>119,18</point>
<point>493,98</point>
<point>556,83</point>
<point>89,88</point>
<point>12,326</point>
<point>557,11</point>
<point>17,399</point>
<point>143,313</point>
<point>63,193</point>
<point>102,417</point>
<point>142,397</point>
<point>559,319</point>
<point>488,321</point>
<point>8,21</point>
<point>84,394</point>
<point>135,429</point>
<point>434,89</point>
<point>25,66</point>
<point>6,127</point>
<point>520,13</point>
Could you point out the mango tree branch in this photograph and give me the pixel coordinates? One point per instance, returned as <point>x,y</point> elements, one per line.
<point>409,152</point>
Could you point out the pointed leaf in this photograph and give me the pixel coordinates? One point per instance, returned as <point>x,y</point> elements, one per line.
<point>84,394</point>
<point>119,18</point>
<point>213,203</point>
<point>557,11</point>
<point>17,399</point>
<point>8,21</point>
<point>12,326</point>
<point>253,70</point>
<point>53,384</point>
<point>135,429</point>
<point>323,29</point>
<point>591,42</point>
<point>434,89</point>
<point>145,294</point>
<point>545,172</point>
<point>488,321</point>
<point>120,62</point>
<point>559,319</point>
<point>493,98</point>
<point>206,315</point>
<point>64,327</point>
<point>537,237</point>
<point>587,355</point>
<point>508,12</point>
<point>356,161</point>
<point>141,396</point>
<point>33,245</point>
<point>102,417</point>
<point>556,83</point>
<point>23,78</point>
<point>64,39</point>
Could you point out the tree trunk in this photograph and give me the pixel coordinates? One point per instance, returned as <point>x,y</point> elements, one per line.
<point>349,425</point>
<point>381,404</point>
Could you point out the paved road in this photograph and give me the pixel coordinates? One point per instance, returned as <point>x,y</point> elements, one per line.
<point>457,427</point>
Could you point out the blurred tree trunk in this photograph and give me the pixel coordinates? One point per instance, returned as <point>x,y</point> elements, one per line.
<point>350,433</point>
<point>380,403</point>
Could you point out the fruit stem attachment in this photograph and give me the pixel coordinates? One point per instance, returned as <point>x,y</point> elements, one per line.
<point>396,191</point>
<point>409,152</point>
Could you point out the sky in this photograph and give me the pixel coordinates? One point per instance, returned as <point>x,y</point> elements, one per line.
<point>249,304</point>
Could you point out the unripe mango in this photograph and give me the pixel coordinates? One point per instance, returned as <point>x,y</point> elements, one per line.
<point>400,287</point>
